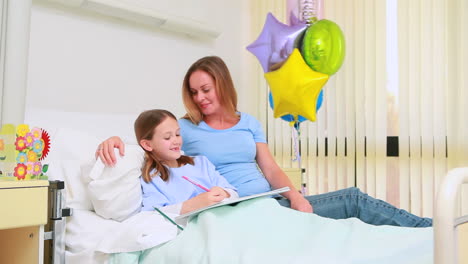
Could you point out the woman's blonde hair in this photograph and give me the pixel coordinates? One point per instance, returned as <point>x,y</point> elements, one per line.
<point>145,126</point>
<point>224,86</point>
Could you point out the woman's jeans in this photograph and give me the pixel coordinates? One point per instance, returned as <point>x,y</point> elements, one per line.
<point>351,202</point>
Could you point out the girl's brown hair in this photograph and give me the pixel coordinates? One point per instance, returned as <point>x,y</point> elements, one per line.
<point>144,126</point>
<point>224,86</point>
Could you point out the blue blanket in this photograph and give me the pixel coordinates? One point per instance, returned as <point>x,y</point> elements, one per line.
<point>262,231</point>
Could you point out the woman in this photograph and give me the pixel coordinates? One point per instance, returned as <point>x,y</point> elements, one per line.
<point>235,143</point>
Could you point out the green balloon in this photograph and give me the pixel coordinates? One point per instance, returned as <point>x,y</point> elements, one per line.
<point>323,47</point>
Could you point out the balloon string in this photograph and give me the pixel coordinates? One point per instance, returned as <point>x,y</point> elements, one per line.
<point>296,134</point>
<point>309,11</point>
<point>295,137</point>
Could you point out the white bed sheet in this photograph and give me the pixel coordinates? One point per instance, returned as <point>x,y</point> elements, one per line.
<point>84,231</point>
<point>90,238</point>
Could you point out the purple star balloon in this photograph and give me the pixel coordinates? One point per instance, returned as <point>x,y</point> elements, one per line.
<point>276,42</point>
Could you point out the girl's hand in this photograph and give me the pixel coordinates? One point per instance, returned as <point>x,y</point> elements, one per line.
<point>215,195</point>
<point>299,203</point>
<point>105,150</point>
<point>218,191</point>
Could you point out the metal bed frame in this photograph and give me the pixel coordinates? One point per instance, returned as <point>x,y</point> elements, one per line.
<point>54,244</point>
<point>445,235</point>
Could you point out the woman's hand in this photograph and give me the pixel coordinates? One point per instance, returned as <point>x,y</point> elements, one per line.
<point>215,195</point>
<point>105,150</point>
<point>277,179</point>
<point>299,203</point>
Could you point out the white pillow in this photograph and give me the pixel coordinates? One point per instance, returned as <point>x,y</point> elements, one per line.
<point>71,144</point>
<point>76,193</point>
<point>115,192</point>
<point>69,150</point>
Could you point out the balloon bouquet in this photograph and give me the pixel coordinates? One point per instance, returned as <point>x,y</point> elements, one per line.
<point>297,60</point>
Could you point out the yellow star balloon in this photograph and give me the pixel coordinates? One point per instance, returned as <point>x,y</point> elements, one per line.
<point>295,88</point>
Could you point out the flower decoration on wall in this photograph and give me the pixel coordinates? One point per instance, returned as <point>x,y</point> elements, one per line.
<point>46,146</point>
<point>29,147</point>
<point>20,143</point>
<point>20,171</point>
<point>21,130</point>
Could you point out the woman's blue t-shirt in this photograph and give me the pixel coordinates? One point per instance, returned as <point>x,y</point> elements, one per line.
<point>231,150</point>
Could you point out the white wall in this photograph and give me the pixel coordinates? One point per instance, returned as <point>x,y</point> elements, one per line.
<point>82,61</point>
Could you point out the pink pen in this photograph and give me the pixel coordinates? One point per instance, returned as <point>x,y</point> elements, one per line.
<point>196,184</point>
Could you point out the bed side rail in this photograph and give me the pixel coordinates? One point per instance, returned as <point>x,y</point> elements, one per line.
<point>445,240</point>
<point>54,244</point>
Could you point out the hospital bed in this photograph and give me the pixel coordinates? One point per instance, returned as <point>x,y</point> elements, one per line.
<point>72,158</point>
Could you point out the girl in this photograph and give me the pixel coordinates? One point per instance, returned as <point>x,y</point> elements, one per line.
<point>158,133</point>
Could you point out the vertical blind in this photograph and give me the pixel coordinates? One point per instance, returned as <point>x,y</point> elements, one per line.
<point>456,32</point>
<point>404,75</point>
<point>432,47</point>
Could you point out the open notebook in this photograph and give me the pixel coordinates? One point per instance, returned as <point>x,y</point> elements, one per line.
<point>233,201</point>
